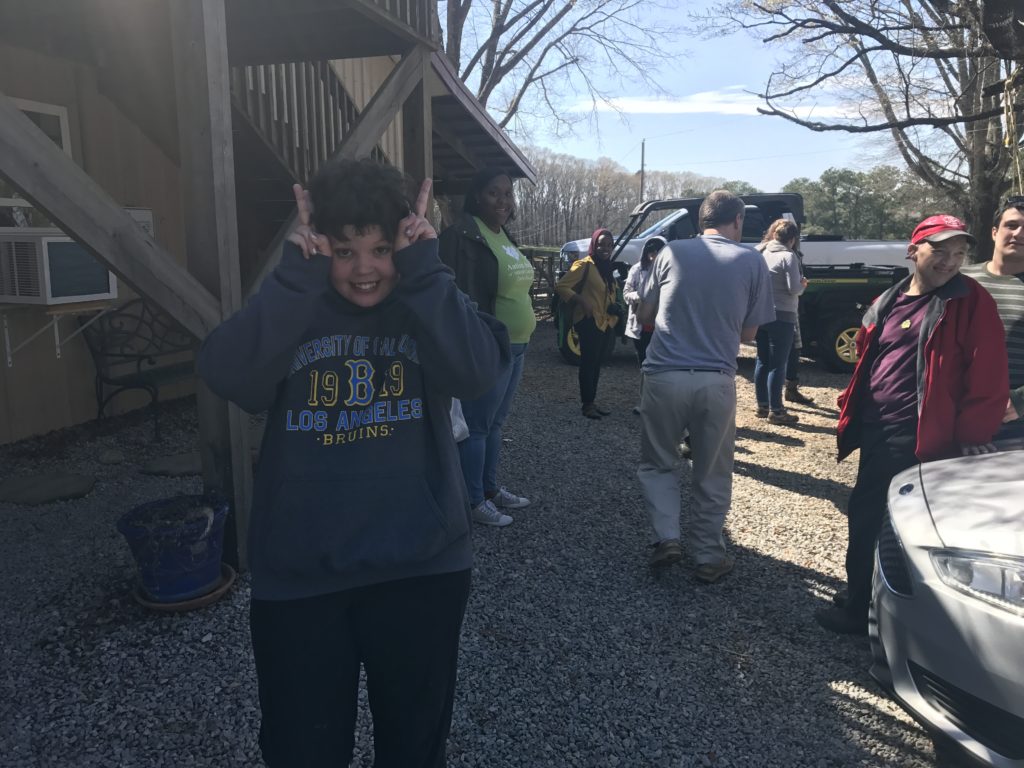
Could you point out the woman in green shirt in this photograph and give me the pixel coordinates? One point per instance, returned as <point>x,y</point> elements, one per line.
<point>491,270</point>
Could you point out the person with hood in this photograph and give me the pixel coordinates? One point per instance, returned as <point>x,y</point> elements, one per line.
<point>931,382</point>
<point>359,548</point>
<point>633,293</point>
<point>588,288</point>
<point>775,339</point>
<point>492,271</point>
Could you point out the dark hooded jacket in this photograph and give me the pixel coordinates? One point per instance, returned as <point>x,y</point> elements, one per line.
<point>465,250</point>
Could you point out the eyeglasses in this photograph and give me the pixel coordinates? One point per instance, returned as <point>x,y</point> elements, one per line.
<point>1015,201</point>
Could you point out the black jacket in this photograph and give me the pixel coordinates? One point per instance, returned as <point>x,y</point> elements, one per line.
<point>465,250</point>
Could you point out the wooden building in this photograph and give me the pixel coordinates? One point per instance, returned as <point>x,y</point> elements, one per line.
<point>163,136</point>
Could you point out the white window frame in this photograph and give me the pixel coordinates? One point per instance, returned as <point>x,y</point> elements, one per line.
<point>61,113</point>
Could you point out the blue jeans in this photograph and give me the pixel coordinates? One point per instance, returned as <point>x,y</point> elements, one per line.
<point>485,416</point>
<point>774,340</point>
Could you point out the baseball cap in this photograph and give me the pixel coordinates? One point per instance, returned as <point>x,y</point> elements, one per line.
<point>935,229</point>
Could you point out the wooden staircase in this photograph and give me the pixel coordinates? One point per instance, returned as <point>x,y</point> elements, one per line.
<point>300,109</point>
<point>288,119</point>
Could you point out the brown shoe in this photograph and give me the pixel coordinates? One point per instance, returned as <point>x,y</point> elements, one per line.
<point>602,410</point>
<point>762,413</point>
<point>709,573</point>
<point>666,552</point>
<point>794,395</point>
<point>782,417</point>
<point>591,412</point>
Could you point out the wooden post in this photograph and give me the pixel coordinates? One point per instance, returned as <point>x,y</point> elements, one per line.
<point>417,148</point>
<point>202,86</point>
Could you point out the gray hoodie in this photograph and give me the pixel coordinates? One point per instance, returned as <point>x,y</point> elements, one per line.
<point>784,268</point>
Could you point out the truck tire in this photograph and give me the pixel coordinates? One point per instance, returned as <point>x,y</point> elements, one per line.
<point>837,343</point>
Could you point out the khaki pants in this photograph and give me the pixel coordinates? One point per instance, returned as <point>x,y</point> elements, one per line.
<point>704,403</point>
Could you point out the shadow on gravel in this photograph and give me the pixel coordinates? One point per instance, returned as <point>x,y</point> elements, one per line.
<point>764,435</point>
<point>797,482</point>
<point>574,653</point>
<point>817,410</point>
<point>803,426</point>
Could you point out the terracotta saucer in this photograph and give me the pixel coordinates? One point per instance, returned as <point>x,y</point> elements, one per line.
<point>227,579</point>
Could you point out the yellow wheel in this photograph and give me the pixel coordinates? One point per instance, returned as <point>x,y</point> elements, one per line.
<point>568,339</point>
<point>838,343</point>
<point>846,345</point>
<point>572,341</point>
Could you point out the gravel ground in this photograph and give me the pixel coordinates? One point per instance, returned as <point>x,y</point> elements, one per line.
<point>574,653</point>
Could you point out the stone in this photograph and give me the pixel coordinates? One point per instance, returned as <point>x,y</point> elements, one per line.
<point>178,465</point>
<point>46,487</point>
<point>111,456</point>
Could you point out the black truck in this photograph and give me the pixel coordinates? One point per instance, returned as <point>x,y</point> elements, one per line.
<point>830,309</point>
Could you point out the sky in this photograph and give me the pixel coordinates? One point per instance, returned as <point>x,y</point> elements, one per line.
<point>709,124</point>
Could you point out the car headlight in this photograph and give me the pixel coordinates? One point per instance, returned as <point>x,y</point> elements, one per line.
<point>996,580</point>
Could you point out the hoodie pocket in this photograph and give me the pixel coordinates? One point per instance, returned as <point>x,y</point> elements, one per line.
<point>364,522</point>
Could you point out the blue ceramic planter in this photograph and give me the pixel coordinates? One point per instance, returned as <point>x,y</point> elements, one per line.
<point>177,544</point>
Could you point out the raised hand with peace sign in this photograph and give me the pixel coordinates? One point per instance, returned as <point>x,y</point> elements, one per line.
<point>304,236</point>
<point>415,226</point>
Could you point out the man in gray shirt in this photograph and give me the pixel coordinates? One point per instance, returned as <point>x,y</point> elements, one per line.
<point>704,296</point>
<point>1003,277</point>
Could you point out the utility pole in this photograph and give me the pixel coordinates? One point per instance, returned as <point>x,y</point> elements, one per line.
<point>643,147</point>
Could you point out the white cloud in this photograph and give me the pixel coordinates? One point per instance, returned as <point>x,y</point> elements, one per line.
<point>732,100</point>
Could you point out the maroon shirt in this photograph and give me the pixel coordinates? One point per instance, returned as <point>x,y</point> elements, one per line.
<point>891,395</point>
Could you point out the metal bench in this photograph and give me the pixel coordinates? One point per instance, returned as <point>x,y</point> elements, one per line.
<point>135,346</point>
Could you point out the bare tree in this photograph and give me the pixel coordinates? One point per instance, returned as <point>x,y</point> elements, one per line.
<point>573,197</point>
<point>920,70</point>
<point>522,57</point>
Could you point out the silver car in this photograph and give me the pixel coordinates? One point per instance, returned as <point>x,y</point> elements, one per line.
<point>947,615</point>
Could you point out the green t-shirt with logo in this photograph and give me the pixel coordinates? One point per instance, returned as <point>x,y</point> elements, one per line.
<point>513,305</point>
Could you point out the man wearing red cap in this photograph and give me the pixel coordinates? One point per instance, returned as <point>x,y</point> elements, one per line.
<point>1003,277</point>
<point>930,383</point>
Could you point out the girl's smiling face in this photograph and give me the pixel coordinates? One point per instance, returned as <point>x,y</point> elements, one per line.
<point>362,269</point>
<point>496,202</point>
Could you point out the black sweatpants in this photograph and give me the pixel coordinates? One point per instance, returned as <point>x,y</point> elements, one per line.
<point>641,345</point>
<point>886,450</point>
<point>592,345</point>
<point>308,653</point>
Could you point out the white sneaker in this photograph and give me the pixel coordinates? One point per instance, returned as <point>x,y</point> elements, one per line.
<point>505,499</point>
<point>487,514</point>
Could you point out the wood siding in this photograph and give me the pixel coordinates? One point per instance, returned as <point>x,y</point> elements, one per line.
<point>362,78</point>
<point>40,392</point>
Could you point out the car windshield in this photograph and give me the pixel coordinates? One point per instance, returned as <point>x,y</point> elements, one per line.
<point>652,230</point>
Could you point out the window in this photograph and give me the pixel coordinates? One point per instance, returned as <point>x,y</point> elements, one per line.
<point>52,120</point>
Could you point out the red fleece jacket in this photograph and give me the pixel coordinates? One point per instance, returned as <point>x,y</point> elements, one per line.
<point>963,384</point>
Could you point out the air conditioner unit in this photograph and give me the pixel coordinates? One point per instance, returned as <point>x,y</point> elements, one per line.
<point>44,266</point>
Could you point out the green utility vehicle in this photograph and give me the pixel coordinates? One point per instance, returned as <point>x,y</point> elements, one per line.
<point>833,305</point>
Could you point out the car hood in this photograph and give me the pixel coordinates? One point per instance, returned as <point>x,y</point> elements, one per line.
<point>977,502</point>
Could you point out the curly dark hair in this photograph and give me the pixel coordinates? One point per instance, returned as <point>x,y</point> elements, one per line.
<point>481,179</point>
<point>358,193</point>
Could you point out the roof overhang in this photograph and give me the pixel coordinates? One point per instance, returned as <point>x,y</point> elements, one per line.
<point>465,137</point>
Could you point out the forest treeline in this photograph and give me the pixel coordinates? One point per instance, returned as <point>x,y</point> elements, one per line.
<point>574,196</point>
